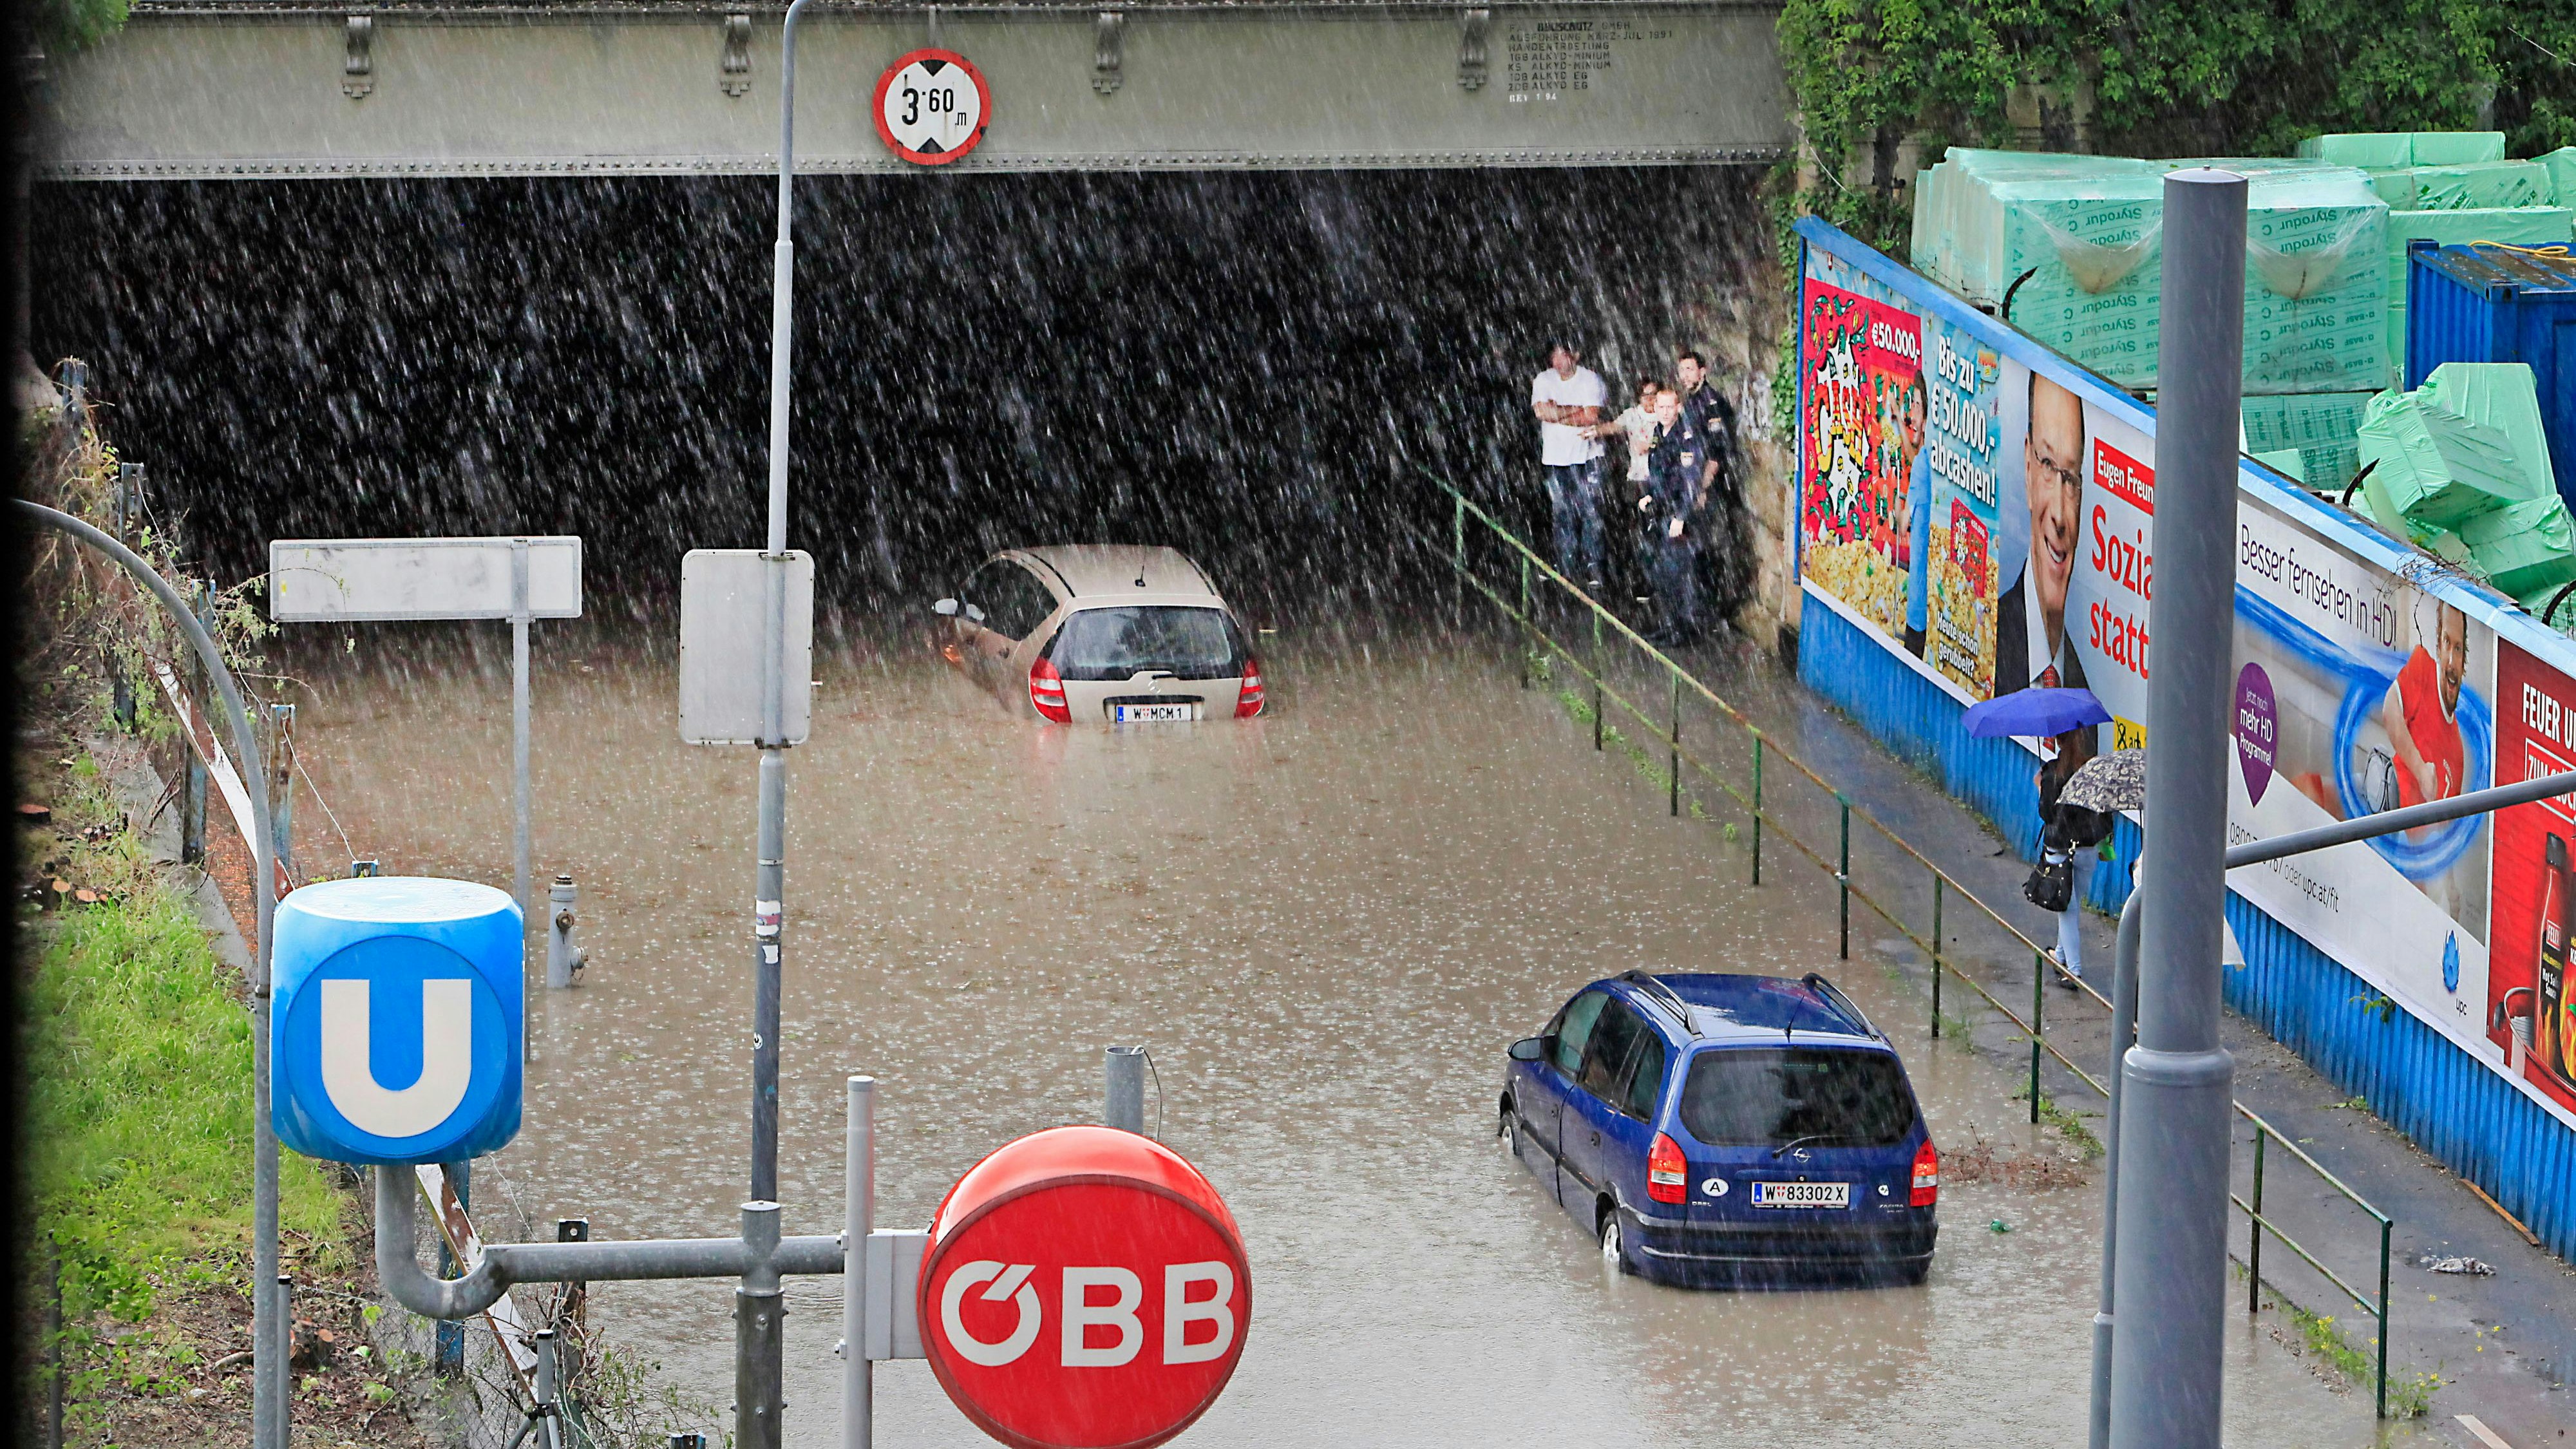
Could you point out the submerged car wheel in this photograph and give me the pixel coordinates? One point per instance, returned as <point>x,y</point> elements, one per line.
<point>1614,1252</point>
<point>1511,1134</point>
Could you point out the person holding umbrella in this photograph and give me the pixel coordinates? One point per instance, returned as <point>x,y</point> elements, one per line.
<point>2070,833</point>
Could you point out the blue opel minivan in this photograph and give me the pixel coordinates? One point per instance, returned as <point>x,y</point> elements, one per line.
<point>1726,1130</point>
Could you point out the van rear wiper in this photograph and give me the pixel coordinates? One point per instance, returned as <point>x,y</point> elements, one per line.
<point>1810,1137</point>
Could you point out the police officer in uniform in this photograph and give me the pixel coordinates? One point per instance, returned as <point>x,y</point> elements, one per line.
<point>1675,492</point>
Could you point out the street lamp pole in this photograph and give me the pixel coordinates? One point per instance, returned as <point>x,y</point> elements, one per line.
<point>759,1328</point>
<point>2170,1279</point>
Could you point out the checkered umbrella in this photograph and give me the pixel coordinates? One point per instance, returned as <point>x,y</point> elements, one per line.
<point>2116,781</point>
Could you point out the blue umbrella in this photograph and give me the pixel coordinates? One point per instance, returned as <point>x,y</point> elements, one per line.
<point>2035,712</point>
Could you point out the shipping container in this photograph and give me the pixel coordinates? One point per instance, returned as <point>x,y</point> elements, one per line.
<point>2487,303</point>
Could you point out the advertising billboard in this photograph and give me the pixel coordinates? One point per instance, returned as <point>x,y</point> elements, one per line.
<point>1985,511</point>
<point>2530,1015</point>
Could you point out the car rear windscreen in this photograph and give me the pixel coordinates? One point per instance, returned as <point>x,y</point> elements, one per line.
<point>1767,1096</point>
<point>1116,644</point>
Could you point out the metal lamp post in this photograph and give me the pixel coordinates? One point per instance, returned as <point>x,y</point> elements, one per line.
<point>759,1332</point>
<point>2171,1236</point>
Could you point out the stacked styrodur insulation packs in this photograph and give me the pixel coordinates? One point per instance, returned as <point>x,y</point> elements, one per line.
<point>2454,187</point>
<point>2460,467</point>
<point>2066,247</point>
<point>2076,243</point>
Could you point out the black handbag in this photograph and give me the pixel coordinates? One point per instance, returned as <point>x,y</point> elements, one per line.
<point>2051,886</point>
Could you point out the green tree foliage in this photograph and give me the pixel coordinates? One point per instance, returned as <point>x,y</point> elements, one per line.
<point>68,25</point>
<point>2159,77</point>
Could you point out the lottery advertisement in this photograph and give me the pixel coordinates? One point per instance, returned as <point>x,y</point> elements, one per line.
<point>1863,430</point>
<point>2529,1015</point>
<point>1901,436</point>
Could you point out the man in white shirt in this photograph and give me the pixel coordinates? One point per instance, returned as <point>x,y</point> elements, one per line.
<point>1568,399</point>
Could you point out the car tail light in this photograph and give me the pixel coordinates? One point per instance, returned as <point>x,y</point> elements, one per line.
<point>1046,691</point>
<point>1248,703</point>
<point>1927,1176</point>
<point>1667,1175</point>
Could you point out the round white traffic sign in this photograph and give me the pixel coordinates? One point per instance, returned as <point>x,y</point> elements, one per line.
<point>932,106</point>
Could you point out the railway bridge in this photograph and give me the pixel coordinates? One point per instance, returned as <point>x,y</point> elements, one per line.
<point>276,89</point>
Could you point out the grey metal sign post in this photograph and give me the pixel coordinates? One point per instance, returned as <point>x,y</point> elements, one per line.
<point>370,580</point>
<point>2170,1280</point>
<point>881,1268</point>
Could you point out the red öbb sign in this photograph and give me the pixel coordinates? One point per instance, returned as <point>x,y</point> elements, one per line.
<point>1084,1288</point>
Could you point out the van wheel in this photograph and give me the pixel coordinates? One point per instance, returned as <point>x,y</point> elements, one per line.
<point>1614,1253</point>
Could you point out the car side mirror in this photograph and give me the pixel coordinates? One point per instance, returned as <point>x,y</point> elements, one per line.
<point>1530,1049</point>
<point>946,608</point>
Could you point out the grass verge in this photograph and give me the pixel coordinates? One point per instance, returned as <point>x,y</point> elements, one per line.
<point>2069,1125</point>
<point>138,1108</point>
<point>2410,1396</point>
<point>139,1103</point>
<point>1653,769</point>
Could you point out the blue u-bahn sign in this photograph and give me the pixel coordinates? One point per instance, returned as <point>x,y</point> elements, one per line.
<point>396,1020</point>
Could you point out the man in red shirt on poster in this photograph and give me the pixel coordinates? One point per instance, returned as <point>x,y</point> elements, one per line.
<point>2421,715</point>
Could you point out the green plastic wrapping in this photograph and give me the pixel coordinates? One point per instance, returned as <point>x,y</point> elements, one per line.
<point>2524,546</point>
<point>2304,420</point>
<point>2332,465</point>
<point>2368,148</point>
<point>2471,185</point>
<point>2077,243</point>
<point>2316,285</point>
<point>2468,441</point>
<point>2453,148</point>
<point>2286,462</point>
<point>2561,165</point>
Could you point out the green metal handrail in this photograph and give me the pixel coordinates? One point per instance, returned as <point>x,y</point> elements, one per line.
<point>2257,1225</point>
<point>1839,867</point>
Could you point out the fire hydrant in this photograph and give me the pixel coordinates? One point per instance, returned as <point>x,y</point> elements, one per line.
<point>563,955</point>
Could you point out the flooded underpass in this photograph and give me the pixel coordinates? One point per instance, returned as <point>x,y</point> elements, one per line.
<point>1326,924</point>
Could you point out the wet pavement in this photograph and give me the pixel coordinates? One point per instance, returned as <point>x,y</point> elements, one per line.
<point>1326,925</point>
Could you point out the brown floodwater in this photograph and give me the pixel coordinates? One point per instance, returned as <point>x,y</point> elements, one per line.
<point>1326,925</point>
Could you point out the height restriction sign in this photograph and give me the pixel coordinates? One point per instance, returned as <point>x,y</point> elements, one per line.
<point>931,107</point>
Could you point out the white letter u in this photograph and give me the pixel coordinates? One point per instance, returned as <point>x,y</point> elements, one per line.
<point>446,1058</point>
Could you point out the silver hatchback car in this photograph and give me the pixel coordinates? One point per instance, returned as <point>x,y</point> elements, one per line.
<point>1121,633</point>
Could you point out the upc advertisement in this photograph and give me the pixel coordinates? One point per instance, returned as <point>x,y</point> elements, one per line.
<point>1986,511</point>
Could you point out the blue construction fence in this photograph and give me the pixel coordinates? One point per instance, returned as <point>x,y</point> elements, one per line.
<point>2452,1105</point>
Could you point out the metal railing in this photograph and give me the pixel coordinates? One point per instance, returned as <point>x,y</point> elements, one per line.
<point>2257,1225</point>
<point>1765,819</point>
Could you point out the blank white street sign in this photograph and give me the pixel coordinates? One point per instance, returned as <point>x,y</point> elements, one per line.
<point>348,580</point>
<point>723,599</point>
